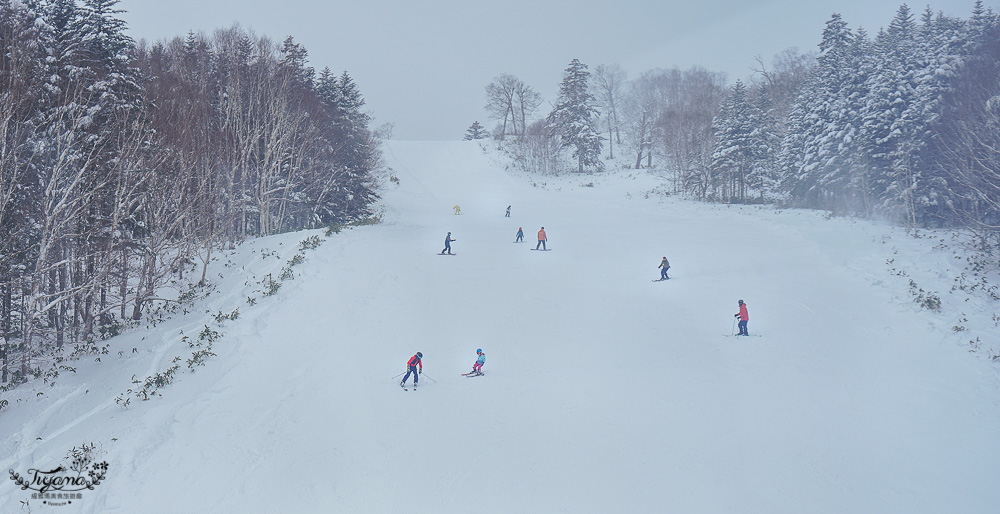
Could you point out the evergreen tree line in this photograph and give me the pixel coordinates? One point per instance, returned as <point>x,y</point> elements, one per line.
<point>123,165</point>
<point>904,125</point>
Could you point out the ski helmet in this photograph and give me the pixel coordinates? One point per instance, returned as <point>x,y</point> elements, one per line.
<point>479,350</point>
<point>741,302</point>
<point>420,355</point>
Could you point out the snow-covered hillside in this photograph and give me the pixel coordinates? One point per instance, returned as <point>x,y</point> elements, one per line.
<point>604,391</point>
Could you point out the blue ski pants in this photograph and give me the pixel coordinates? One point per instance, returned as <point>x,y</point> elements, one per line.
<point>413,369</point>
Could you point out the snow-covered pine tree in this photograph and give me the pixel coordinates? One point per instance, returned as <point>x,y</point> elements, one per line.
<point>964,146</point>
<point>574,117</point>
<point>815,126</point>
<point>475,131</point>
<point>736,144</point>
<point>763,176</point>
<point>294,57</point>
<point>888,119</point>
<point>942,46</point>
<point>354,150</point>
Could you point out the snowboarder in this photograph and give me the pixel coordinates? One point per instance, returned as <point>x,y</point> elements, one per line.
<point>664,266</point>
<point>477,368</point>
<point>542,238</point>
<point>744,318</point>
<point>447,244</point>
<point>458,210</point>
<point>508,212</point>
<point>520,235</point>
<point>411,367</point>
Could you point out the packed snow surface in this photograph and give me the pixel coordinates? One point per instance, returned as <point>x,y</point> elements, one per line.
<point>604,391</point>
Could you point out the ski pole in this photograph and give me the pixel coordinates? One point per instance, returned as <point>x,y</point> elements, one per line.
<point>425,376</point>
<point>733,331</point>
<point>397,375</point>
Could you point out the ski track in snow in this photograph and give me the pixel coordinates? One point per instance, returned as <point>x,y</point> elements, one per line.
<point>604,392</point>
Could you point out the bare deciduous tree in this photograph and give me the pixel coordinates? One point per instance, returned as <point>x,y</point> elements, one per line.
<point>608,82</point>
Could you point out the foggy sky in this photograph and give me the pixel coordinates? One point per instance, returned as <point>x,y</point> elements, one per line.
<point>424,65</point>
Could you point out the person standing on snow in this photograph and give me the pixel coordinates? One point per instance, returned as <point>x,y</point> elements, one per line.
<point>411,367</point>
<point>508,212</point>
<point>744,318</point>
<point>542,238</point>
<point>458,210</point>
<point>520,235</point>
<point>477,368</point>
<point>664,266</point>
<point>447,244</point>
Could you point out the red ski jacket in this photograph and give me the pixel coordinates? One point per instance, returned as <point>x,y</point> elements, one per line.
<point>744,315</point>
<point>415,361</point>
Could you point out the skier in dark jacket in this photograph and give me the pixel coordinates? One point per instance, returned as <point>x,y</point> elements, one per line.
<point>447,244</point>
<point>411,367</point>
<point>520,235</point>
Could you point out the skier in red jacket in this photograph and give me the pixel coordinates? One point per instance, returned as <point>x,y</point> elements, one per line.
<point>744,318</point>
<point>411,367</point>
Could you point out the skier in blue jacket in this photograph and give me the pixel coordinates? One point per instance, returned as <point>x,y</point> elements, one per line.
<point>447,244</point>
<point>477,368</point>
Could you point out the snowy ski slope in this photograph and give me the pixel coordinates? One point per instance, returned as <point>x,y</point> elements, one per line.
<point>604,391</point>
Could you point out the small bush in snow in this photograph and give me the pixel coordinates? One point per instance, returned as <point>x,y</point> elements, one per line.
<point>310,243</point>
<point>208,335</point>
<point>271,286</point>
<point>374,219</point>
<point>927,300</point>
<point>221,316</point>
<point>154,382</point>
<point>199,357</point>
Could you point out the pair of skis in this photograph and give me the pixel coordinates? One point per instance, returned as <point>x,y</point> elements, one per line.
<point>405,387</point>
<point>473,374</point>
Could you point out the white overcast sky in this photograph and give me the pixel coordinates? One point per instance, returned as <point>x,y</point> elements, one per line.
<point>423,65</point>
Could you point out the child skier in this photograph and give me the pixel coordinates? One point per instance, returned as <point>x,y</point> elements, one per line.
<point>664,266</point>
<point>411,367</point>
<point>520,235</point>
<point>477,368</point>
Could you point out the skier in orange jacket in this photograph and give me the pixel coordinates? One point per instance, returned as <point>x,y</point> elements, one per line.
<point>542,238</point>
